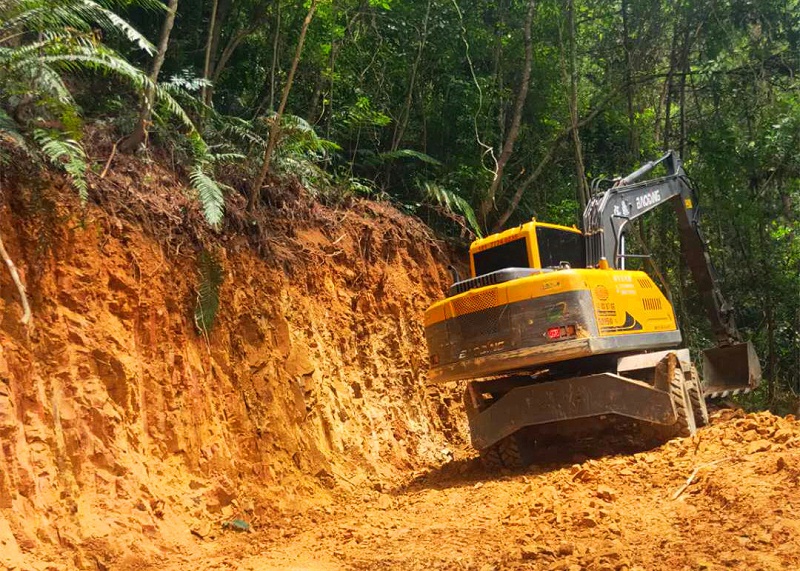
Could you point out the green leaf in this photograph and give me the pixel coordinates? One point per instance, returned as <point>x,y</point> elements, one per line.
<point>211,278</point>
<point>210,193</point>
<point>453,203</point>
<point>66,154</point>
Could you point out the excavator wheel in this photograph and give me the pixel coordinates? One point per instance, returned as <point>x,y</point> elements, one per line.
<point>503,454</point>
<point>679,392</point>
<point>699,407</point>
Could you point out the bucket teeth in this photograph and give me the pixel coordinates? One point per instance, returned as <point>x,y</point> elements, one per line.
<point>721,394</point>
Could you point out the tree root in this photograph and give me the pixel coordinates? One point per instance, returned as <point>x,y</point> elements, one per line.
<point>12,269</point>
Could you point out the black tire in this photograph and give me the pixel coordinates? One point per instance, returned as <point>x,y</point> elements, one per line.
<point>679,393</point>
<point>491,459</point>
<point>698,401</point>
<point>503,454</point>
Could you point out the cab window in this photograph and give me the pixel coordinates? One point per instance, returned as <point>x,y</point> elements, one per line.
<point>513,254</point>
<point>556,246</point>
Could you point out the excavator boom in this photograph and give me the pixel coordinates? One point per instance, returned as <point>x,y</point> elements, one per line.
<point>731,366</point>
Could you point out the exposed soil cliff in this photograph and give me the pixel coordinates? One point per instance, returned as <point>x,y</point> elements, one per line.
<point>123,429</point>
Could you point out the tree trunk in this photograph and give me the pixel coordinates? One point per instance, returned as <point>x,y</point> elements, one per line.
<point>497,71</point>
<point>145,113</point>
<point>767,285</point>
<point>488,204</point>
<point>223,60</point>
<point>668,104</point>
<point>209,42</point>
<point>682,95</point>
<point>581,188</point>
<point>274,66</point>
<point>633,138</point>
<point>521,187</point>
<point>275,127</point>
<point>400,126</point>
<point>218,65</point>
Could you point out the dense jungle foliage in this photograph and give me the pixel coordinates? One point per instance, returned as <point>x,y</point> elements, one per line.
<point>472,115</point>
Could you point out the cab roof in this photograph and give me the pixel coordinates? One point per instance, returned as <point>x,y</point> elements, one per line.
<point>514,233</point>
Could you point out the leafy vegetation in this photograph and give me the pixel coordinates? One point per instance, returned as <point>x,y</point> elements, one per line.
<point>473,116</point>
<point>211,276</point>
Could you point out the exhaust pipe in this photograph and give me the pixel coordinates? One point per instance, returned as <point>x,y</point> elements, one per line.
<point>729,370</point>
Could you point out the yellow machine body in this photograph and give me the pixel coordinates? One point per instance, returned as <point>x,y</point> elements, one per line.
<point>535,308</point>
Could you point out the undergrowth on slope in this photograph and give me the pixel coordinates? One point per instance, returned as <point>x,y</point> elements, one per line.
<point>211,276</point>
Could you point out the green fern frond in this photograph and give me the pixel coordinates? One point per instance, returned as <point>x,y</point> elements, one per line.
<point>11,135</point>
<point>101,59</point>
<point>211,277</point>
<point>405,154</point>
<point>111,22</point>
<point>66,154</point>
<point>241,130</point>
<point>453,203</point>
<point>79,15</point>
<point>210,193</point>
<point>226,157</point>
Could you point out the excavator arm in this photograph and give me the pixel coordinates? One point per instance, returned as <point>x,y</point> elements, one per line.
<point>730,367</point>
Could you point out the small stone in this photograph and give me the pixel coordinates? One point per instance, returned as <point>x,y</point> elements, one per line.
<point>781,463</point>
<point>758,446</point>
<point>565,548</point>
<point>201,529</point>
<point>529,552</point>
<point>580,475</point>
<point>607,494</point>
<point>534,551</point>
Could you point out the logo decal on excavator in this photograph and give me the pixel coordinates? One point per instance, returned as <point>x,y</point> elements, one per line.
<point>648,199</point>
<point>630,325</point>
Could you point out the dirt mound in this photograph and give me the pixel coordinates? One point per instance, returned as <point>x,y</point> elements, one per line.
<point>723,499</point>
<point>126,435</point>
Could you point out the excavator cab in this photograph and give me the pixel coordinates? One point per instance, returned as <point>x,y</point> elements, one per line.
<point>534,245</point>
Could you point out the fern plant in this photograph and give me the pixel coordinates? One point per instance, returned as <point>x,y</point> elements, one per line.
<point>211,276</point>
<point>67,154</point>
<point>43,41</point>
<point>452,204</point>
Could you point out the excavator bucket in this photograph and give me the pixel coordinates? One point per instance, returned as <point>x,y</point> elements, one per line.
<point>730,370</point>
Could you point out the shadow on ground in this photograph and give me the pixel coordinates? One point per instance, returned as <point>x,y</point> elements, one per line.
<point>557,453</point>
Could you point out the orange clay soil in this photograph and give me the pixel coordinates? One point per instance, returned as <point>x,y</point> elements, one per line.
<point>127,440</point>
<point>625,509</point>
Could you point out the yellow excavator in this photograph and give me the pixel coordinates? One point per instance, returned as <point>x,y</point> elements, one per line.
<point>556,336</point>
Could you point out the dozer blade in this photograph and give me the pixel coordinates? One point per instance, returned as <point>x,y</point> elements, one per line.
<point>730,370</point>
